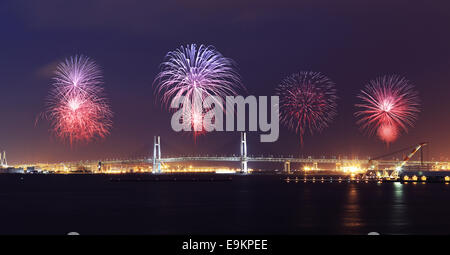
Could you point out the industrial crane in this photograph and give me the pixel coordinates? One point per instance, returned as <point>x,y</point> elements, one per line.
<point>398,168</point>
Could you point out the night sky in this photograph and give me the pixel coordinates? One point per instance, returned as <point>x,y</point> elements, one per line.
<point>351,41</point>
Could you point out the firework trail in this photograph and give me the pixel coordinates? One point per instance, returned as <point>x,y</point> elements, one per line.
<point>76,107</point>
<point>307,102</point>
<point>389,106</point>
<point>196,73</point>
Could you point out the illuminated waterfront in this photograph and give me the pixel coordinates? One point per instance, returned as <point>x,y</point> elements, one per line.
<point>146,167</point>
<point>379,166</point>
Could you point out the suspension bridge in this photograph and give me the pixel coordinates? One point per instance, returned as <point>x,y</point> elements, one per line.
<point>157,161</point>
<point>244,159</point>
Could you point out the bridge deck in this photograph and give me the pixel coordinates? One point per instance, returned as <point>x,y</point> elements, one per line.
<point>261,159</point>
<point>287,159</point>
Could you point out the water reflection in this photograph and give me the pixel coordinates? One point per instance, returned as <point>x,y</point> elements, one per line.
<point>351,218</point>
<point>398,208</point>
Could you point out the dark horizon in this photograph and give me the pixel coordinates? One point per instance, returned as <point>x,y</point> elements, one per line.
<point>351,42</point>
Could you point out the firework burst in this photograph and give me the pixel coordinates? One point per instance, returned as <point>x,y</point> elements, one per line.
<point>195,73</point>
<point>307,102</point>
<point>80,75</point>
<point>76,107</point>
<point>389,106</point>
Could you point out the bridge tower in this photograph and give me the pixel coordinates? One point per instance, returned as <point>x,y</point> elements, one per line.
<point>156,155</point>
<point>3,161</point>
<point>287,167</point>
<point>244,168</point>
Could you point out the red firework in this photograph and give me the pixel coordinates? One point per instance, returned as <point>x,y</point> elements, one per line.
<point>307,102</point>
<point>76,107</point>
<point>389,106</point>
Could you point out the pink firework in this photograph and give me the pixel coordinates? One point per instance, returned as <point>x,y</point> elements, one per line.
<point>307,102</point>
<point>80,75</point>
<point>388,133</point>
<point>389,106</point>
<point>195,73</point>
<point>76,107</point>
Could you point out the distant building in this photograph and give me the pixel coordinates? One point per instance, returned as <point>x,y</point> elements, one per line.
<point>12,170</point>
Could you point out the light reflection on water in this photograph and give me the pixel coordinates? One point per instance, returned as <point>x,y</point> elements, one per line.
<point>398,207</point>
<point>245,205</point>
<point>352,211</point>
<point>360,208</point>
